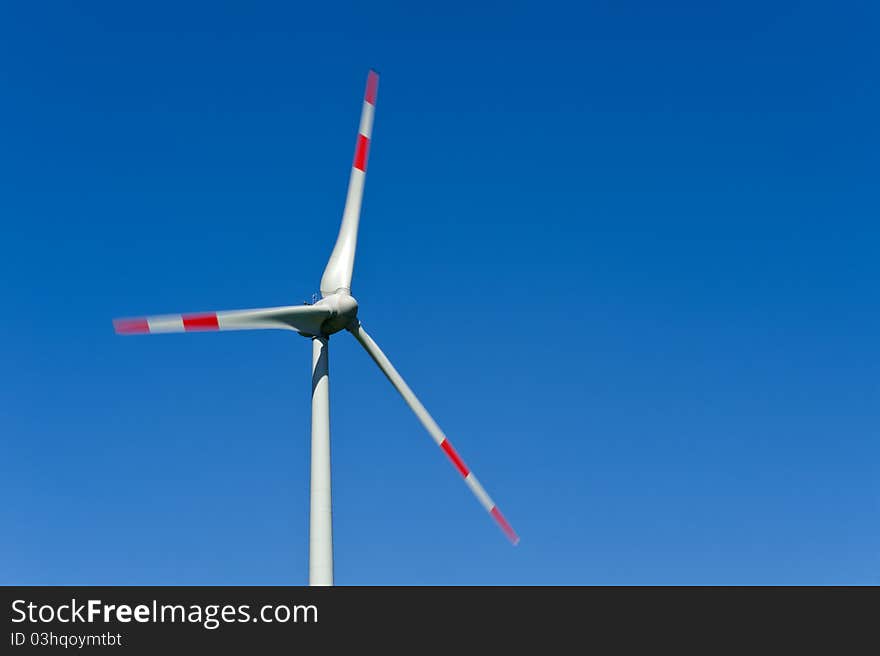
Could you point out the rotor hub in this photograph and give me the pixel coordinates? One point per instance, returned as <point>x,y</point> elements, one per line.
<point>343,308</point>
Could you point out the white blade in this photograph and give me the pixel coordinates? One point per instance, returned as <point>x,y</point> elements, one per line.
<point>304,319</point>
<point>337,274</point>
<point>428,422</point>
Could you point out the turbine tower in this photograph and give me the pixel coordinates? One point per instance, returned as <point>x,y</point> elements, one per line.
<point>336,311</point>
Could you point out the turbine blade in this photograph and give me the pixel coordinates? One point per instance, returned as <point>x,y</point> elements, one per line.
<point>304,319</point>
<point>428,422</point>
<point>337,274</point>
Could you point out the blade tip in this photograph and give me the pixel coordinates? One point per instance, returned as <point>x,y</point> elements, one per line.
<point>130,326</point>
<point>372,86</point>
<point>505,526</point>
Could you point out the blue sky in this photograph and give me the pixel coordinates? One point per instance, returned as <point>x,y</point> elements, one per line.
<point>626,253</point>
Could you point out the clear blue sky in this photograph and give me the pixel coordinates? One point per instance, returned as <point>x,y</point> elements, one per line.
<point>627,254</point>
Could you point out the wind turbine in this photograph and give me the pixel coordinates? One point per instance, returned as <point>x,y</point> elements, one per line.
<point>336,311</point>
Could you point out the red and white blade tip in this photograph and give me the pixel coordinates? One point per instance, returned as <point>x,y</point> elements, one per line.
<point>183,323</point>
<point>479,491</point>
<point>362,147</point>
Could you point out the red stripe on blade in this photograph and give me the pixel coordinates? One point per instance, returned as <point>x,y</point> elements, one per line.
<point>455,458</point>
<point>372,86</point>
<point>360,153</point>
<point>130,326</point>
<point>200,322</point>
<point>507,528</point>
